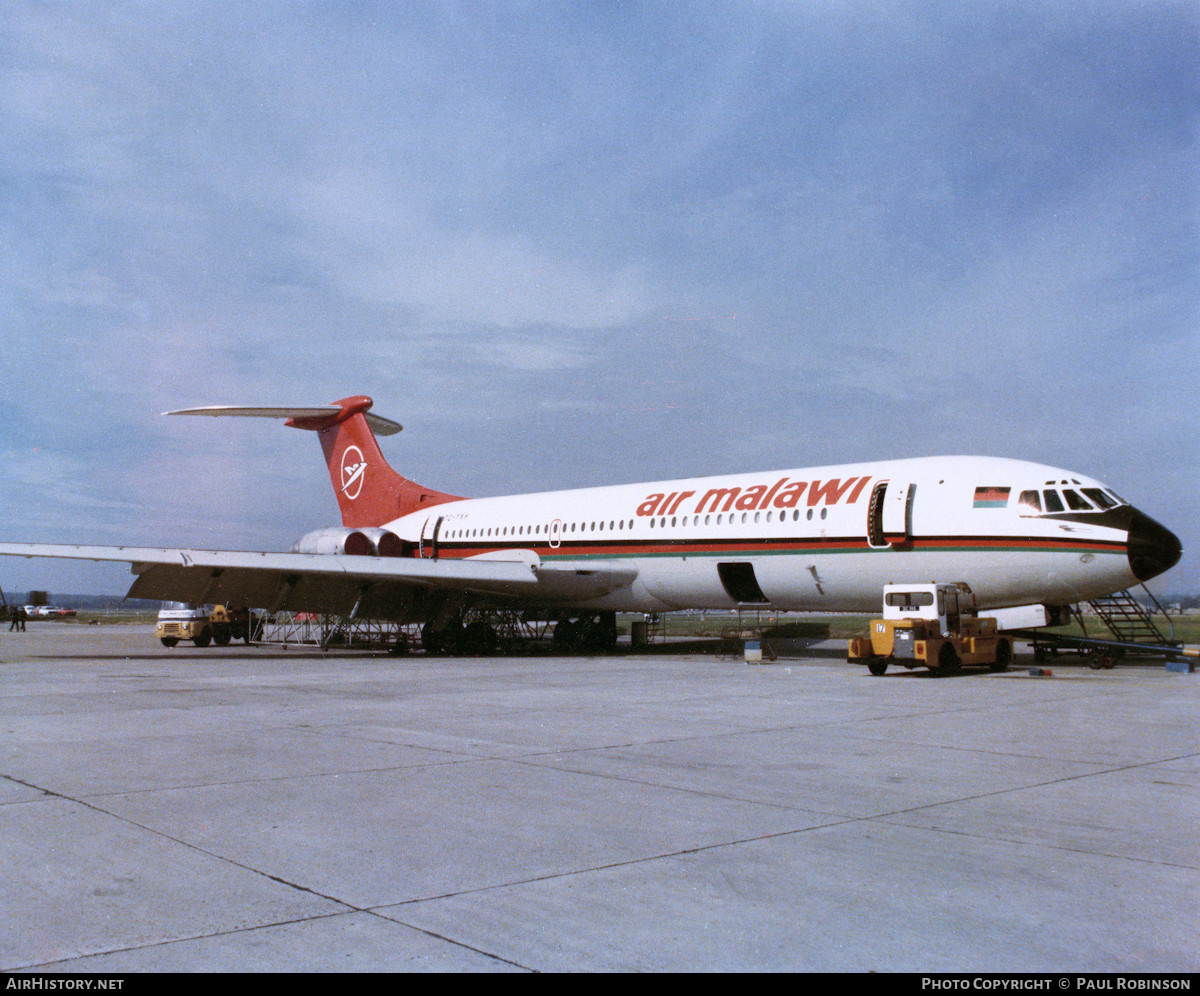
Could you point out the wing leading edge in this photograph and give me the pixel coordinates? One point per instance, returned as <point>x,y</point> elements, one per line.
<point>370,587</point>
<point>393,588</point>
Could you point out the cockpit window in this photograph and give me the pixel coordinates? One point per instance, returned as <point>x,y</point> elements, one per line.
<point>1102,500</point>
<point>1052,500</point>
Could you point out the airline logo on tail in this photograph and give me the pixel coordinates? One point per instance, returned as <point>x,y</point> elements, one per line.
<point>354,469</point>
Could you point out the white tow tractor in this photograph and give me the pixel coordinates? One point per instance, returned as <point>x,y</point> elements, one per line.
<point>934,626</point>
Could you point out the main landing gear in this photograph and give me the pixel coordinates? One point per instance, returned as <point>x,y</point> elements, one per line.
<point>486,634</point>
<point>475,639</point>
<point>587,634</point>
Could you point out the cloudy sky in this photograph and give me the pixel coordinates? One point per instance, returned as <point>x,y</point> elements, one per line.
<point>583,243</point>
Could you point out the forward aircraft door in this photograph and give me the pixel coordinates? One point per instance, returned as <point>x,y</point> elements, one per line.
<point>429,538</point>
<point>889,514</point>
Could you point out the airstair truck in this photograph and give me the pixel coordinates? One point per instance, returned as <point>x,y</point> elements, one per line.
<point>934,626</point>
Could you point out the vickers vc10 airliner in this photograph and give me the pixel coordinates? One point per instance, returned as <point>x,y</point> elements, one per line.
<point>1027,538</point>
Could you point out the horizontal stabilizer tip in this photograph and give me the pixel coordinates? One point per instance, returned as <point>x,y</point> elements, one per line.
<point>300,418</point>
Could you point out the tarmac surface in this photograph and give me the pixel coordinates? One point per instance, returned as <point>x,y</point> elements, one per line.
<point>288,810</point>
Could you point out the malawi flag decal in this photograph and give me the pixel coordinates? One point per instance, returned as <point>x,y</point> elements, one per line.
<point>991,497</point>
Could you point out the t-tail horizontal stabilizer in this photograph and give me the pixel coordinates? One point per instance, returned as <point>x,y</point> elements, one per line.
<point>369,492</point>
<point>296,417</point>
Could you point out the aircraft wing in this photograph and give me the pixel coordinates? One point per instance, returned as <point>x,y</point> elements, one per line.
<point>366,587</point>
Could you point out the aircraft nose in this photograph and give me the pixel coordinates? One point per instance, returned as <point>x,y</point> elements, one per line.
<point>1153,548</point>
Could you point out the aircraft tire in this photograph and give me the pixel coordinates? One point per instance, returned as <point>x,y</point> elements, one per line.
<point>429,641</point>
<point>948,662</point>
<point>566,635</point>
<point>608,631</point>
<point>478,639</point>
<point>596,634</point>
<point>1004,656</point>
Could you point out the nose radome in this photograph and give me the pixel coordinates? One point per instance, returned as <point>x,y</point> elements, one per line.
<point>1153,548</point>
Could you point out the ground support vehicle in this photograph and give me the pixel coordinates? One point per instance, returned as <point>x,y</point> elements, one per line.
<point>202,624</point>
<point>47,612</point>
<point>1101,654</point>
<point>933,626</point>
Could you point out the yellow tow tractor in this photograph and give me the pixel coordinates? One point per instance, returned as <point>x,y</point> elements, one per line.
<point>933,626</point>
<point>202,624</point>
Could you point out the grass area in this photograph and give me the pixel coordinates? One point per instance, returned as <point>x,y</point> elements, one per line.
<point>717,624</point>
<point>1186,628</point>
<point>844,626</point>
<point>101,617</point>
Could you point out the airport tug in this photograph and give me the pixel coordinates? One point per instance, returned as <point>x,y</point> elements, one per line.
<point>934,626</point>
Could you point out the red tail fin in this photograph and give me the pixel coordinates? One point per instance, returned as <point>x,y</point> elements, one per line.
<point>369,492</point>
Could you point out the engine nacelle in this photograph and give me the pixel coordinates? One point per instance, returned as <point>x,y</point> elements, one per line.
<point>336,540</point>
<point>391,545</point>
<point>385,543</point>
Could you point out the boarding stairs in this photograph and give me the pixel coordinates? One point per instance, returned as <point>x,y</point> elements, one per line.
<point>1132,622</point>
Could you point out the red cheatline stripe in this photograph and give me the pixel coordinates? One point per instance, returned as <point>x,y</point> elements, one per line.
<point>598,548</point>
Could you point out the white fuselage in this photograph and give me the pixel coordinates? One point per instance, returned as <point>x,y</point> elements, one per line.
<point>823,538</point>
